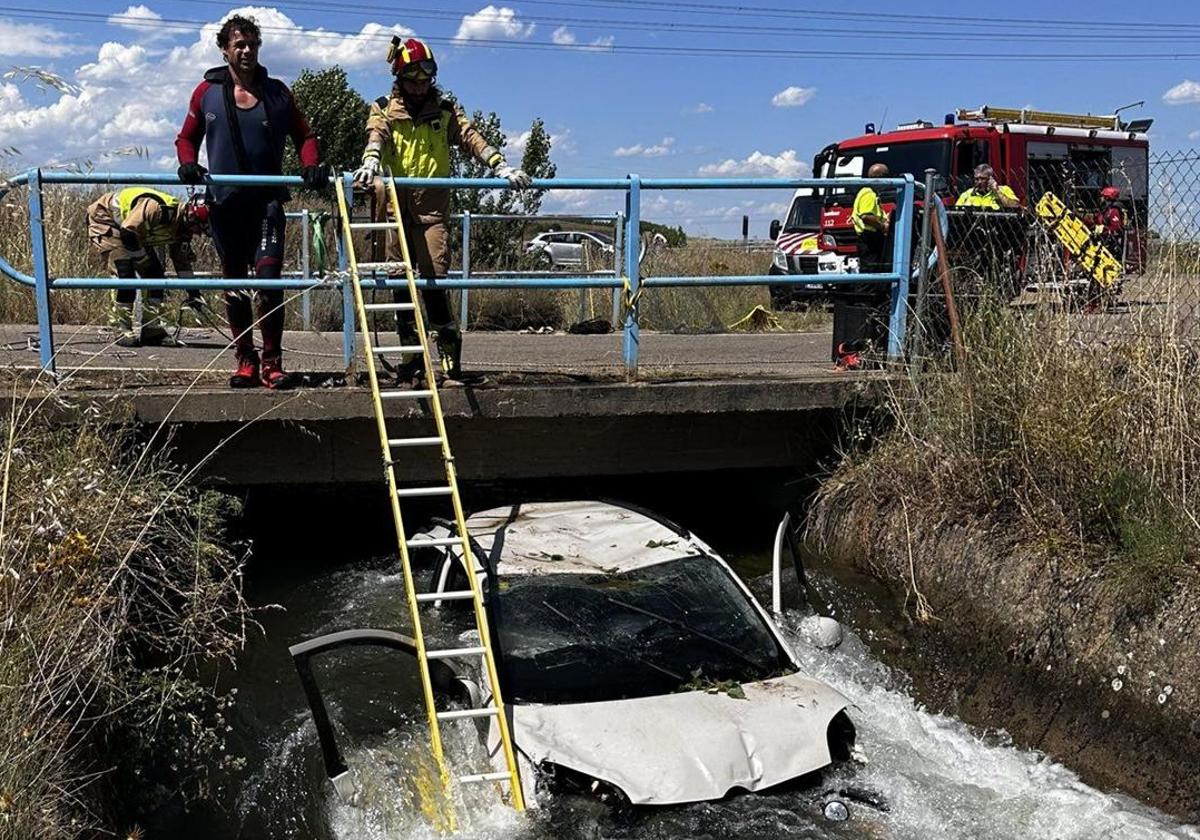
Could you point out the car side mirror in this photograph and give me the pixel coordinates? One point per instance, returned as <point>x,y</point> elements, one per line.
<point>775,226</point>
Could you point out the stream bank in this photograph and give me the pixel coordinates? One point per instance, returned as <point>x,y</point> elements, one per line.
<point>1036,641</point>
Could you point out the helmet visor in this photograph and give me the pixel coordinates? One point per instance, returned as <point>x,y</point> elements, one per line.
<point>419,70</point>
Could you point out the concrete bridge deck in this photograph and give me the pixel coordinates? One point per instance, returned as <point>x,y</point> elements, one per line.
<point>550,405</point>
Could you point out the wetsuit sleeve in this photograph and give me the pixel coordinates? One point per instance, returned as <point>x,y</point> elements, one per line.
<point>302,135</point>
<point>464,135</point>
<point>187,144</point>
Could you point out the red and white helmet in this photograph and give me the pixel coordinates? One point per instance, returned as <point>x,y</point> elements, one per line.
<point>412,59</point>
<point>1110,193</point>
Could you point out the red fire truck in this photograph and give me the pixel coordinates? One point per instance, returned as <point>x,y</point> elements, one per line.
<point>1073,156</point>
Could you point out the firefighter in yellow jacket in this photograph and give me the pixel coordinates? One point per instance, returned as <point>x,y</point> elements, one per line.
<point>126,227</point>
<point>409,134</point>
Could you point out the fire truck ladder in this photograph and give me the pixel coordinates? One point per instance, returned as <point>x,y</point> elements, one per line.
<point>493,706</point>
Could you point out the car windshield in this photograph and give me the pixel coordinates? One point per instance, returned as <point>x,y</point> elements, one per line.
<point>805,213</point>
<point>572,638</point>
<point>603,237</point>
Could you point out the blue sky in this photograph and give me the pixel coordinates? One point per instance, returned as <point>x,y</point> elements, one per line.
<point>623,86</point>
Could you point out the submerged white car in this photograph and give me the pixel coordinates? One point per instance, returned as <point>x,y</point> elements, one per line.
<point>635,665</point>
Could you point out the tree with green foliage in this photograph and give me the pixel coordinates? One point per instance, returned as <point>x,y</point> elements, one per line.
<point>337,114</point>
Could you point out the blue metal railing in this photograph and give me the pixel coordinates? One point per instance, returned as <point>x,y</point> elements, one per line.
<point>43,281</point>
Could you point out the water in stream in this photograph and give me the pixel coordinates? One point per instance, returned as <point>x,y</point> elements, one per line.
<point>942,779</point>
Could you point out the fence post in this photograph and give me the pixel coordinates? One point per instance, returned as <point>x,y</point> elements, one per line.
<point>901,264</point>
<point>305,270</point>
<point>466,270</point>
<point>349,328</point>
<point>41,272</point>
<point>633,207</point>
<point>618,247</point>
<point>930,206</point>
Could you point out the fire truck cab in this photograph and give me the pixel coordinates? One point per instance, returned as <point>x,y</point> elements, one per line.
<point>1033,152</point>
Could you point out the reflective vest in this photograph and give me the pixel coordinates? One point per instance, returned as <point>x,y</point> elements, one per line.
<point>866,203</point>
<point>160,235</point>
<point>987,200</point>
<point>420,150</point>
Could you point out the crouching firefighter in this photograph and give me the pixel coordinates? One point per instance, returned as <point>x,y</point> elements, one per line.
<point>126,228</point>
<point>409,134</point>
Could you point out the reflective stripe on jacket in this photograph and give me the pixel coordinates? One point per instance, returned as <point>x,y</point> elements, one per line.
<point>987,200</point>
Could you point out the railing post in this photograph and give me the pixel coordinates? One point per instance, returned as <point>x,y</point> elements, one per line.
<point>929,206</point>
<point>464,294</point>
<point>618,246</point>
<point>633,206</point>
<point>305,270</point>
<point>41,272</point>
<point>349,328</point>
<point>901,264</point>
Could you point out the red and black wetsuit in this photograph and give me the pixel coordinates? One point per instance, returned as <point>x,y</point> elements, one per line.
<point>247,222</point>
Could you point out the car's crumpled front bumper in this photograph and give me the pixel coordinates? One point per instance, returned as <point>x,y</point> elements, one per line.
<point>687,747</point>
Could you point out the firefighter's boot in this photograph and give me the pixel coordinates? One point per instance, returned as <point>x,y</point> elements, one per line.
<point>120,320</point>
<point>449,342</point>
<point>410,372</point>
<point>154,330</point>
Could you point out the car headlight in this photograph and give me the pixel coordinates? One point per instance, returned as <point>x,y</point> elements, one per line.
<point>779,260</point>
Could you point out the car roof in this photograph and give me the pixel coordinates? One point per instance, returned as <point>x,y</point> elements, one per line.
<point>578,537</point>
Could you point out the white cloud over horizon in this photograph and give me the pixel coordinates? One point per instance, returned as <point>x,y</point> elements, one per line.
<point>32,40</point>
<point>492,23</point>
<point>660,149</point>
<point>1184,93</point>
<point>793,97</point>
<point>786,164</point>
<point>563,37</point>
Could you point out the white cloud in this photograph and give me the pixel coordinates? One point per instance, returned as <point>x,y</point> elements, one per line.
<point>699,108</point>
<point>603,43</point>
<point>563,37</point>
<point>1192,135</point>
<point>10,97</point>
<point>135,17</point>
<point>1183,93</point>
<point>491,24</point>
<point>115,107</point>
<point>639,150</point>
<point>793,97</point>
<point>559,143</point>
<point>31,39</point>
<point>783,165</point>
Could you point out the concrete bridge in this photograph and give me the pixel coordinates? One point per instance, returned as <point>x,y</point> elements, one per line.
<point>551,406</point>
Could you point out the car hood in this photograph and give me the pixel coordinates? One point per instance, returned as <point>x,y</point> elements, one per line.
<point>688,747</point>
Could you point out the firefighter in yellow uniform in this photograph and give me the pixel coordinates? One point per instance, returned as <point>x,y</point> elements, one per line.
<point>871,226</point>
<point>126,227</point>
<point>409,134</point>
<point>987,194</point>
<point>859,313</point>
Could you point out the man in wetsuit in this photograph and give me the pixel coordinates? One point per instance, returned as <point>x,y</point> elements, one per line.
<point>244,118</point>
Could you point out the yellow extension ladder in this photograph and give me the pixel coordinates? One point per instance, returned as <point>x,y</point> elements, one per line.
<point>1075,236</point>
<point>493,706</point>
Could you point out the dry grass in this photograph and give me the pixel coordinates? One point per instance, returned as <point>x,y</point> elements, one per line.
<point>710,309</point>
<point>1059,430</point>
<point>116,590</point>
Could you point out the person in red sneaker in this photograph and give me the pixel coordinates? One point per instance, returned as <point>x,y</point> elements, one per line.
<point>244,118</point>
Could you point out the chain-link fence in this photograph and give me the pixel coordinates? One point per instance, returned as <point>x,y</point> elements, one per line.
<point>1112,237</point>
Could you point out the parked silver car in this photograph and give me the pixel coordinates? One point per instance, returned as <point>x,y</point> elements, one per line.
<point>565,247</point>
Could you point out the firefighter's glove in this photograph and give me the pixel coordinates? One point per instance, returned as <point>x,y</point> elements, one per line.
<point>517,179</point>
<point>130,242</point>
<point>367,172</point>
<point>315,177</point>
<point>192,173</point>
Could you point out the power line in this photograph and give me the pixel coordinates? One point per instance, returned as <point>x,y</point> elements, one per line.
<point>691,51</point>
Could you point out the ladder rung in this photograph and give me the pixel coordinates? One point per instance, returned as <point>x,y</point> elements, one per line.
<point>404,395</point>
<point>372,226</point>
<point>435,542</point>
<point>459,714</point>
<point>454,653</point>
<point>440,490</point>
<point>381,349</point>
<point>453,595</point>
<point>502,776</point>
<point>381,266</point>
<point>396,443</point>
<point>389,307</point>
